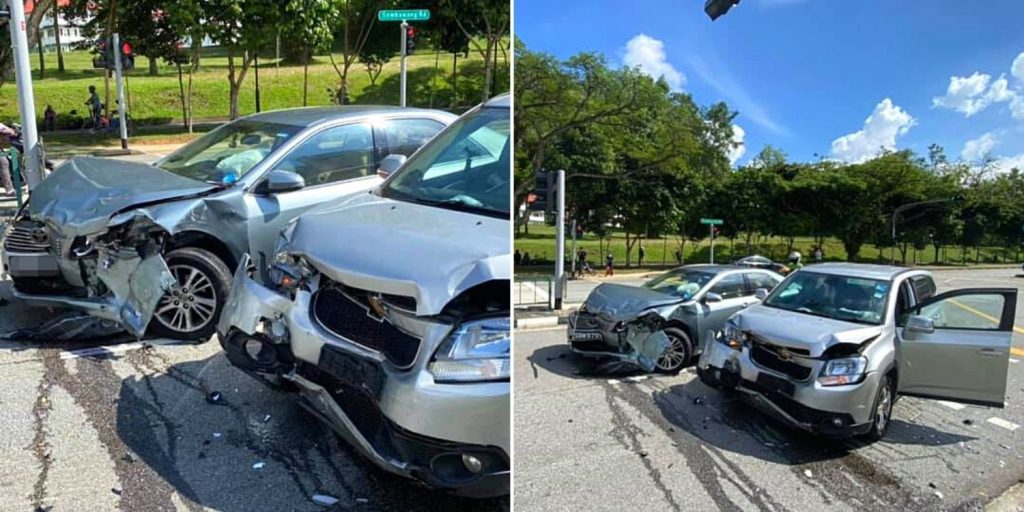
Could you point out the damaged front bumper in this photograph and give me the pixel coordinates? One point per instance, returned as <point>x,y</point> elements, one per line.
<point>640,340</point>
<point>447,436</point>
<point>802,403</point>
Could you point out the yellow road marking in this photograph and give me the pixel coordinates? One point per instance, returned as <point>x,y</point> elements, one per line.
<point>1013,350</point>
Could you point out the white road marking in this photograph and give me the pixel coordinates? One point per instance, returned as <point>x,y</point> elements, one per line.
<point>115,349</point>
<point>1012,360</point>
<point>613,381</point>
<point>999,422</point>
<point>540,294</point>
<point>637,378</point>
<point>952,405</point>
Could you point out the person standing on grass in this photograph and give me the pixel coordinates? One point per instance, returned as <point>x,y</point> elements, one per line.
<point>50,119</point>
<point>609,265</point>
<point>5,163</point>
<point>640,261</point>
<point>94,107</point>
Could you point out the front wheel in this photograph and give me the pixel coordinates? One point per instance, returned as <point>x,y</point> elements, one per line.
<point>191,308</point>
<point>677,354</point>
<point>882,415</point>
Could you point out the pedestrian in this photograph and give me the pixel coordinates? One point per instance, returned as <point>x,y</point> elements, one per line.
<point>640,262</point>
<point>817,254</point>
<point>518,258</point>
<point>609,265</point>
<point>679,257</point>
<point>526,259</point>
<point>581,262</point>
<point>5,163</point>
<point>94,107</point>
<point>49,119</point>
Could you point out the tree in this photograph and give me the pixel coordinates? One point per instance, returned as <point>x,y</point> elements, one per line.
<point>489,19</point>
<point>241,27</point>
<point>356,19</point>
<point>377,51</point>
<point>145,24</point>
<point>309,28</point>
<point>186,17</point>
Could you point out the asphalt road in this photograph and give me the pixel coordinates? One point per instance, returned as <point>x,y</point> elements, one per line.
<point>113,424</point>
<point>610,442</point>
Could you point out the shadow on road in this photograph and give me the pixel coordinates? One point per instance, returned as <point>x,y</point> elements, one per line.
<point>558,359</point>
<point>210,453</point>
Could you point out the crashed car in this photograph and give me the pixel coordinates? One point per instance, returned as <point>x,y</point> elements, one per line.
<point>152,247</point>
<point>394,328</point>
<point>660,325</point>
<point>831,348</point>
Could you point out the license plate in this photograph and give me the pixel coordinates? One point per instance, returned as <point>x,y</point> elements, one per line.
<point>587,336</point>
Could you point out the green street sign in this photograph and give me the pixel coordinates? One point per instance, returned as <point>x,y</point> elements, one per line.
<point>712,222</point>
<point>403,15</point>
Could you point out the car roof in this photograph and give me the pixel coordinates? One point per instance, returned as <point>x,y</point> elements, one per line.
<point>308,116</point>
<point>499,101</point>
<point>716,269</point>
<point>863,270</point>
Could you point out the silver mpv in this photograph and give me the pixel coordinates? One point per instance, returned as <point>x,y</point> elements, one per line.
<point>834,345</point>
<point>389,312</point>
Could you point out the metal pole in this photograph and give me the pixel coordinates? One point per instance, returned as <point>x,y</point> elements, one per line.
<point>119,81</point>
<point>401,96</point>
<point>560,242</point>
<point>26,100</point>
<point>256,63</point>
<point>711,230</point>
<point>572,268</point>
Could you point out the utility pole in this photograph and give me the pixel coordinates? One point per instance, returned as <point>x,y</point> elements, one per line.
<point>256,62</point>
<point>405,27</point>
<point>560,241</point>
<point>26,100</point>
<point>572,250</point>
<point>119,81</point>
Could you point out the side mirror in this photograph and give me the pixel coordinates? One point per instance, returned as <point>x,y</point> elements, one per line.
<point>281,181</point>
<point>761,294</point>
<point>390,164</point>
<point>712,297</point>
<point>920,324</point>
<point>49,165</point>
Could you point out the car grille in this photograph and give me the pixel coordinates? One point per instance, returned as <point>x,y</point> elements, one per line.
<point>27,236</point>
<point>768,357</point>
<point>354,401</point>
<point>349,318</point>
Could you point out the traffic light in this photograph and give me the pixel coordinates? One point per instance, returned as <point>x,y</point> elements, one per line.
<point>127,56</point>
<point>543,192</point>
<point>716,8</point>
<point>410,40</point>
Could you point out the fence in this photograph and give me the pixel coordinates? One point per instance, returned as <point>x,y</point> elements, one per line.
<point>533,291</point>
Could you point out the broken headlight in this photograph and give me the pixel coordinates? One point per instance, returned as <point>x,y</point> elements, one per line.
<point>475,351</point>
<point>732,336</point>
<point>287,271</point>
<point>845,370</point>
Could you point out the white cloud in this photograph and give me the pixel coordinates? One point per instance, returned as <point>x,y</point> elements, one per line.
<point>880,130</point>
<point>739,146</point>
<point>1005,164</point>
<point>648,54</point>
<point>1017,107</point>
<point>976,149</point>
<point>972,94</point>
<point>1017,68</point>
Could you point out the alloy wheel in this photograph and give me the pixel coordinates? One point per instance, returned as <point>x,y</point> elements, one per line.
<point>674,356</point>
<point>191,303</point>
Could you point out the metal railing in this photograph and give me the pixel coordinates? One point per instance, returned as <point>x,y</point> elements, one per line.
<point>533,291</point>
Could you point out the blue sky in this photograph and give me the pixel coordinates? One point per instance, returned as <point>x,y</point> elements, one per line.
<point>806,75</point>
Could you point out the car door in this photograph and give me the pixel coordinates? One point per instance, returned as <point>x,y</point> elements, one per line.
<point>956,346</point>
<point>334,162</point>
<point>732,288</point>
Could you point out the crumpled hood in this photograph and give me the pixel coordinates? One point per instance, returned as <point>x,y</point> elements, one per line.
<point>798,330</point>
<point>80,196</point>
<point>621,302</point>
<point>401,248</point>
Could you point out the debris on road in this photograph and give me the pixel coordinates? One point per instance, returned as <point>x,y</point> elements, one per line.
<point>325,500</point>
<point>698,401</point>
<point>362,500</point>
<point>70,325</point>
<point>939,495</point>
<point>259,465</point>
<point>968,422</point>
<point>116,491</point>
<point>643,453</point>
<point>808,473</point>
<point>266,418</point>
<point>216,434</point>
<point>215,398</point>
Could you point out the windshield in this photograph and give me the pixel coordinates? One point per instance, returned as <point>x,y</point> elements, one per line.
<point>680,283</point>
<point>227,153</point>
<point>466,167</point>
<point>852,299</point>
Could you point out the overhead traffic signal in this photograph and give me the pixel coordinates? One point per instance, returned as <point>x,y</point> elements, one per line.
<point>716,8</point>
<point>410,40</point>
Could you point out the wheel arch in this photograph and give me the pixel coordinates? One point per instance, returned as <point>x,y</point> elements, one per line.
<point>206,241</point>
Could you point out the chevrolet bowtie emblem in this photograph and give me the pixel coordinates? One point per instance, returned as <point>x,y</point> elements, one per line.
<point>785,355</point>
<point>377,308</point>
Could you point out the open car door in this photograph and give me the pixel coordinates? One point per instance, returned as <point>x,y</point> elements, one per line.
<point>956,346</point>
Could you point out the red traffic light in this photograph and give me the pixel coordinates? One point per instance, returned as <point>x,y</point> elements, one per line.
<point>410,32</point>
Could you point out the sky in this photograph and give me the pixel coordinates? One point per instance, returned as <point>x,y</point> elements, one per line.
<point>836,79</point>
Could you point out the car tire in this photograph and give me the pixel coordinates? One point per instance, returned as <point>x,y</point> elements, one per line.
<point>881,415</point>
<point>210,279</point>
<point>678,353</point>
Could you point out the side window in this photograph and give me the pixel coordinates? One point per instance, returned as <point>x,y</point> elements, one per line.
<point>924,287</point>
<point>903,303</point>
<point>730,287</point>
<point>405,136</point>
<point>981,311</point>
<point>757,280</point>
<point>335,154</point>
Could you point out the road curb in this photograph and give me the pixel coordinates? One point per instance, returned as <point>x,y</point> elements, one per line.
<point>540,321</point>
<point>1010,501</point>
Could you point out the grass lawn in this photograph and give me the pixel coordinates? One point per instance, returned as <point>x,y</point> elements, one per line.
<point>540,243</point>
<point>155,99</point>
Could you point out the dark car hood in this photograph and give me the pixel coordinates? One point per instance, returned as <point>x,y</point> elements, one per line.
<point>622,302</point>
<point>793,329</point>
<point>400,248</point>
<point>82,194</point>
